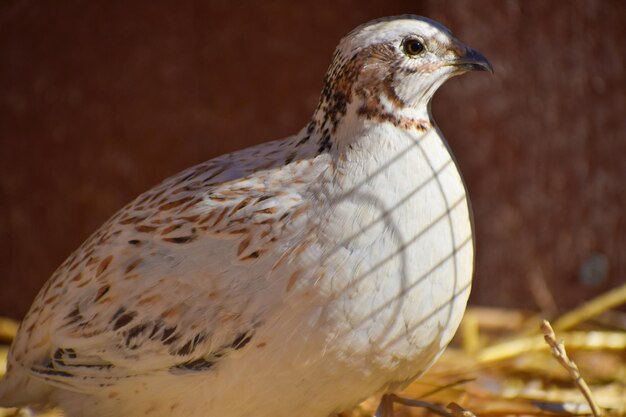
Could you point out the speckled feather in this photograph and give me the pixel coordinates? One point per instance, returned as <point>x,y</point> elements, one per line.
<point>102,299</point>
<point>331,265</point>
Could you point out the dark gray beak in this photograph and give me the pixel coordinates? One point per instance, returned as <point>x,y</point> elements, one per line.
<point>473,61</point>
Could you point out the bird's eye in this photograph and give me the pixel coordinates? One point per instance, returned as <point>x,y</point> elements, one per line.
<point>412,47</point>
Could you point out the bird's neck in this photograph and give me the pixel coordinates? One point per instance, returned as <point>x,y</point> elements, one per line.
<point>371,121</point>
<point>356,100</point>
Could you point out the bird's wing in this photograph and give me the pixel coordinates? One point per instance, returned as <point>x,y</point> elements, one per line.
<point>173,282</point>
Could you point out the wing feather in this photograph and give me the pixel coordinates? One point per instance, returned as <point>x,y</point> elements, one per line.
<point>175,281</point>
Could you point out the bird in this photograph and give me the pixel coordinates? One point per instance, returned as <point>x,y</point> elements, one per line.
<point>295,277</point>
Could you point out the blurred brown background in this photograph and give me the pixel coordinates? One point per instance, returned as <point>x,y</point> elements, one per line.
<point>101,99</point>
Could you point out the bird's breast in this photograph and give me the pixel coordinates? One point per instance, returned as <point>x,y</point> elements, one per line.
<point>397,251</point>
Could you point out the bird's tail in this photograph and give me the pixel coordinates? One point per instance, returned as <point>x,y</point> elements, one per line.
<point>19,389</point>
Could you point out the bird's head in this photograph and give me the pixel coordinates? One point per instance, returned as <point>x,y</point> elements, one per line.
<point>392,66</point>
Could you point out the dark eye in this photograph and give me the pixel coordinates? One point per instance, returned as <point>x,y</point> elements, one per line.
<point>412,46</point>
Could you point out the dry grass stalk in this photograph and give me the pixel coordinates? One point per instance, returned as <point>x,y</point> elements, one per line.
<point>598,305</point>
<point>434,408</point>
<point>559,353</point>
<point>8,328</point>
<point>582,340</point>
<point>448,386</point>
<point>458,411</point>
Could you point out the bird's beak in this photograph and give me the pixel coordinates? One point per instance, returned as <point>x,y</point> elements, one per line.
<point>472,60</point>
